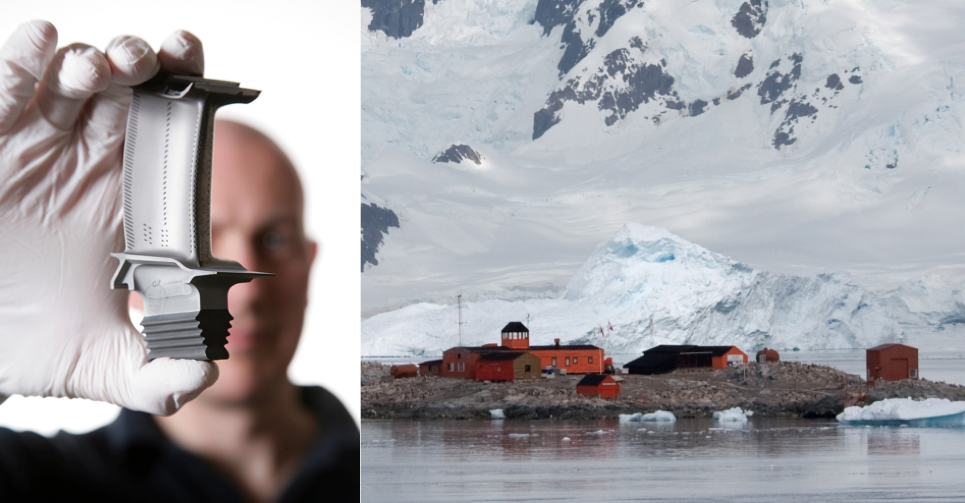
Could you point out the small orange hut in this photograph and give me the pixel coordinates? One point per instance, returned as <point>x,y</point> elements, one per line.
<point>600,385</point>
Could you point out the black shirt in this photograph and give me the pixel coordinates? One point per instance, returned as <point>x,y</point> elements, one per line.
<point>131,460</point>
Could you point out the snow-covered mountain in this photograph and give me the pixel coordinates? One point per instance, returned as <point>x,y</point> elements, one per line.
<point>646,286</point>
<point>794,136</point>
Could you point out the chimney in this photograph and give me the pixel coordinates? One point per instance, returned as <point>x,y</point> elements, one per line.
<point>557,341</point>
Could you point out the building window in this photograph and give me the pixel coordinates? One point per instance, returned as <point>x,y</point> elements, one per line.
<point>528,368</point>
<point>589,359</point>
<point>554,361</point>
<point>462,367</point>
<point>567,360</point>
<point>459,356</point>
<point>576,360</point>
<point>450,366</point>
<point>913,373</point>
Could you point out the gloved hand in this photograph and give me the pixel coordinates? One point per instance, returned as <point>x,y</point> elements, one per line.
<point>63,114</point>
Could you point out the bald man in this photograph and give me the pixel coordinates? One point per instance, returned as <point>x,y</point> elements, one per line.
<point>252,435</point>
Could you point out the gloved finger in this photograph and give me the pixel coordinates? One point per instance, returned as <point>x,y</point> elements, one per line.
<point>132,62</point>
<point>74,75</point>
<point>23,59</point>
<point>164,385</point>
<point>182,54</point>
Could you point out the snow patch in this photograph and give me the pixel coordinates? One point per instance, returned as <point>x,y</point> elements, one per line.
<point>497,414</point>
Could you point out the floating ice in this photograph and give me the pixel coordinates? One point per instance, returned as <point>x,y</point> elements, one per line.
<point>519,435</point>
<point>497,414</point>
<point>930,412</point>
<point>566,439</point>
<point>661,416</point>
<point>734,415</point>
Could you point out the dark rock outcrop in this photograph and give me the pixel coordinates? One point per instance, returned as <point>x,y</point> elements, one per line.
<point>750,18</point>
<point>457,153</point>
<point>396,18</point>
<point>375,225</point>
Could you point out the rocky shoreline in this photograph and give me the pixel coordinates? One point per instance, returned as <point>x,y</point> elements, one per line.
<point>770,390</point>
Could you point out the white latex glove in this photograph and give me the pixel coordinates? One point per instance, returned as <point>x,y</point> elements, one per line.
<point>63,331</point>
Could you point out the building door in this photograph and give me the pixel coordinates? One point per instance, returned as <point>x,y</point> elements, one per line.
<point>900,368</point>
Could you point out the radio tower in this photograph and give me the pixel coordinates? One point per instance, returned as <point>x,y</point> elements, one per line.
<point>459,301</point>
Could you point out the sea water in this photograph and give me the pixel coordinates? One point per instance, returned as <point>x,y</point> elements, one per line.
<point>764,460</point>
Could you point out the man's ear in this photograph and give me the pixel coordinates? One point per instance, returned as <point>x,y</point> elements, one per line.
<point>312,250</point>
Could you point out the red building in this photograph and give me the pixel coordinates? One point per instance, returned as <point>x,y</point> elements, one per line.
<point>461,361</point>
<point>892,362</point>
<point>507,366</point>
<point>600,385</point>
<point>768,355</point>
<point>430,368</point>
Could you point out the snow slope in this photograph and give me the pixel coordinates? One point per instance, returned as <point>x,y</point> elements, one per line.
<point>644,287</point>
<point>869,92</point>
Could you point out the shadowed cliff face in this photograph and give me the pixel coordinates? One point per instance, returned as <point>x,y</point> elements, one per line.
<point>375,225</point>
<point>396,18</point>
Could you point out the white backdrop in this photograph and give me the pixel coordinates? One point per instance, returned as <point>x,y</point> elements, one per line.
<point>304,57</point>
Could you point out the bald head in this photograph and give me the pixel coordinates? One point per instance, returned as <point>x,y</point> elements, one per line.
<point>234,142</point>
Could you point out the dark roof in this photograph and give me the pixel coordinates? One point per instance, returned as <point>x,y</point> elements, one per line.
<point>502,355</point>
<point>432,362</point>
<point>563,346</point>
<point>478,349</point>
<point>515,326</point>
<point>592,379</point>
<point>670,348</point>
<point>888,345</point>
<point>689,349</point>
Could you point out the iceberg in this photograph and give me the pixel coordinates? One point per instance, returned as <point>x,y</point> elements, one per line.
<point>661,416</point>
<point>905,411</point>
<point>497,414</point>
<point>734,415</point>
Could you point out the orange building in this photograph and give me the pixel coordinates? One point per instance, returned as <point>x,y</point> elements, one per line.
<point>726,356</point>
<point>461,361</point>
<point>577,359</point>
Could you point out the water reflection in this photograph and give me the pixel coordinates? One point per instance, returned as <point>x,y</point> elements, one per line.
<point>766,459</point>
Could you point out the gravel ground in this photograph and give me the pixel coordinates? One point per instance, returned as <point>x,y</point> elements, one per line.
<point>774,389</point>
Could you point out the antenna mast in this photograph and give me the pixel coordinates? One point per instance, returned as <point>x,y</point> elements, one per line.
<point>459,301</point>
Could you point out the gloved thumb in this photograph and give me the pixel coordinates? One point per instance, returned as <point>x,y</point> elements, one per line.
<point>126,378</point>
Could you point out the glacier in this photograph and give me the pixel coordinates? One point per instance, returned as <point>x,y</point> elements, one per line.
<point>646,286</point>
<point>868,91</point>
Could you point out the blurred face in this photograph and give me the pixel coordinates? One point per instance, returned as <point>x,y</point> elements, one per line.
<point>256,220</point>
